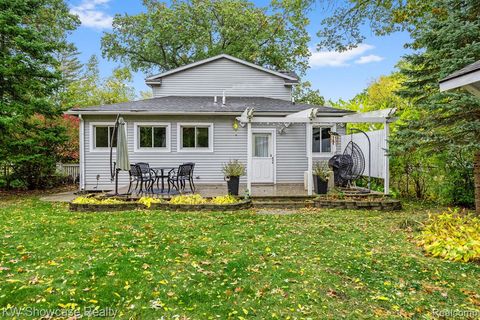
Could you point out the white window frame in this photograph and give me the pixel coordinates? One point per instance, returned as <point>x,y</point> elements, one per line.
<point>136,136</point>
<point>333,128</point>
<point>92,125</point>
<point>195,124</point>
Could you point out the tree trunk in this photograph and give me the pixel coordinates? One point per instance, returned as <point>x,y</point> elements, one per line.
<point>476,174</point>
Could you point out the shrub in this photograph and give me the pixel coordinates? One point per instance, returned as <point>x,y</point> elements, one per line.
<point>452,236</point>
<point>321,170</point>
<point>93,200</point>
<point>233,168</point>
<point>147,201</point>
<point>228,199</point>
<point>188,199</point>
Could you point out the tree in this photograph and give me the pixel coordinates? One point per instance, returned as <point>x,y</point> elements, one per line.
<point>444,122</point>
<point>166,37</point>
<point>90,89</point>
<point>85,89</point>
<point>303,93</point>
<point>380,94</point>
<point>343,28</point>
<point>32,33</point>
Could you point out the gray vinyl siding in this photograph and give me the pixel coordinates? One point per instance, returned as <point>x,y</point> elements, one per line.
<point>212,78</point>
<point>291,158</point>
<point>291,154</point>
<point>228,145</point>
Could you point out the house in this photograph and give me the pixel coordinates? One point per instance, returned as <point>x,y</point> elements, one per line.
<point>210,112</point>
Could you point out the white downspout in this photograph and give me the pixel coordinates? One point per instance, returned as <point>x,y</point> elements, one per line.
<point>82,153</point>
<point>249,157</point>
<point>386,181</point>
<point>310,159</point>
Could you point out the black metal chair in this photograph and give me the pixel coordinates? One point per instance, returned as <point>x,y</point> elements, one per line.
<point>143,175</point>
<point>177,177</point>
<point>190,179</point>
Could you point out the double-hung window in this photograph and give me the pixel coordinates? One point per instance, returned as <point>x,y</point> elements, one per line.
<point>195,137</point>
<point>152,137</point>
<point>321,140</point>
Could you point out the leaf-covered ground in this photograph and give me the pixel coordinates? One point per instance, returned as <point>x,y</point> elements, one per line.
<point>145,265</point>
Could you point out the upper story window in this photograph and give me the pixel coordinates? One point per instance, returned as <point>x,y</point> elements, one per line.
<point>321,140</point>
<point>103,136</point>
<point>152,136</point>
<point>195,137</point>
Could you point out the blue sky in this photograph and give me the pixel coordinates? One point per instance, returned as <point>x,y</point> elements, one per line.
<point>336,75</point>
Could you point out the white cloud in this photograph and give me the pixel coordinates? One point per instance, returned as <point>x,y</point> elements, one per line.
<point>340,59</point>
<point>91,15</point>
<point>368,59</point>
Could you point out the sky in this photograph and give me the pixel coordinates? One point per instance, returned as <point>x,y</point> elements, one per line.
<point>337,75</point>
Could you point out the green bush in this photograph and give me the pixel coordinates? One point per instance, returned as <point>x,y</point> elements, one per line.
<point>233,168</point>
<point>452,236</point>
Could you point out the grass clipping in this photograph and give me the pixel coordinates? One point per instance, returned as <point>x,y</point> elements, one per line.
<point>452,236</point>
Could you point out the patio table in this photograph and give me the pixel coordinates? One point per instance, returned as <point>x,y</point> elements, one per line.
<point>161,173</point>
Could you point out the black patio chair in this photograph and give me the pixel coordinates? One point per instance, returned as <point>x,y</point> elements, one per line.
<point>177,177</point>
<point>190,179</point>
<point>143,175</point>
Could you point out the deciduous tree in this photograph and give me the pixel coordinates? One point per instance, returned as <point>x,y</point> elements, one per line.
<point>168,36</point>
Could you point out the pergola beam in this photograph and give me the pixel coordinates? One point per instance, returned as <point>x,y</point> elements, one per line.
<point>345,119</point>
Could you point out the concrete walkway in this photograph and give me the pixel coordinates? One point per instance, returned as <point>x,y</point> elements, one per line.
<point>60,197</point>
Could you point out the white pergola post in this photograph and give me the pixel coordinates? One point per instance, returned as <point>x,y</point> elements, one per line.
<point>310,159</point>
<point>386,181</point>
<point>249,157</point>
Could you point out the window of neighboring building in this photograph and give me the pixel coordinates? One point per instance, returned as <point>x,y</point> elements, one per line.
<point>103,136</point>
<point>321,141</point>
<point>196,137</point>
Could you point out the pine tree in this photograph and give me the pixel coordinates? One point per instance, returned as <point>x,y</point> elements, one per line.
<point>444,122</point>
<point>32,33</point>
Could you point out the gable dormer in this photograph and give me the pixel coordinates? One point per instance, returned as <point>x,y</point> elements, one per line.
<point>223,73</point>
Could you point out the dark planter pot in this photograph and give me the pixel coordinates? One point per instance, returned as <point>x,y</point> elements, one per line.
<point>321,186</point>
<point>232,185</point>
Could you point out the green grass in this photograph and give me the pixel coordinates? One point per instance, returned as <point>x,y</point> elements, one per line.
<point>145,265</point>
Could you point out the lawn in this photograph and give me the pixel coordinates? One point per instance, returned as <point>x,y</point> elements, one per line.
<point>145,265</point>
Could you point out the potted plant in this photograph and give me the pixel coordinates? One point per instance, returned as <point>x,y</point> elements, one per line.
<point>321,173</point>
<point>232,171</point>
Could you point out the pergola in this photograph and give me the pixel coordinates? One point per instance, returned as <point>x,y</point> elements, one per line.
<point>310,118</point>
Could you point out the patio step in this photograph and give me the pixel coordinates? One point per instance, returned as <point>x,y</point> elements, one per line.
<point>291,202</point>
<point>282,198</point>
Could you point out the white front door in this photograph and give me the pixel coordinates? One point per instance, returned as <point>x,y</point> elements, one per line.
<point>263,156</point>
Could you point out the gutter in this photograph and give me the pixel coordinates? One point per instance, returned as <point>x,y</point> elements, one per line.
<point>126,112</point>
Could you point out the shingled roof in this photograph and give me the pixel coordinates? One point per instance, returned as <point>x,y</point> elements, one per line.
<point>468,69</point>
<point>192,104</point>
